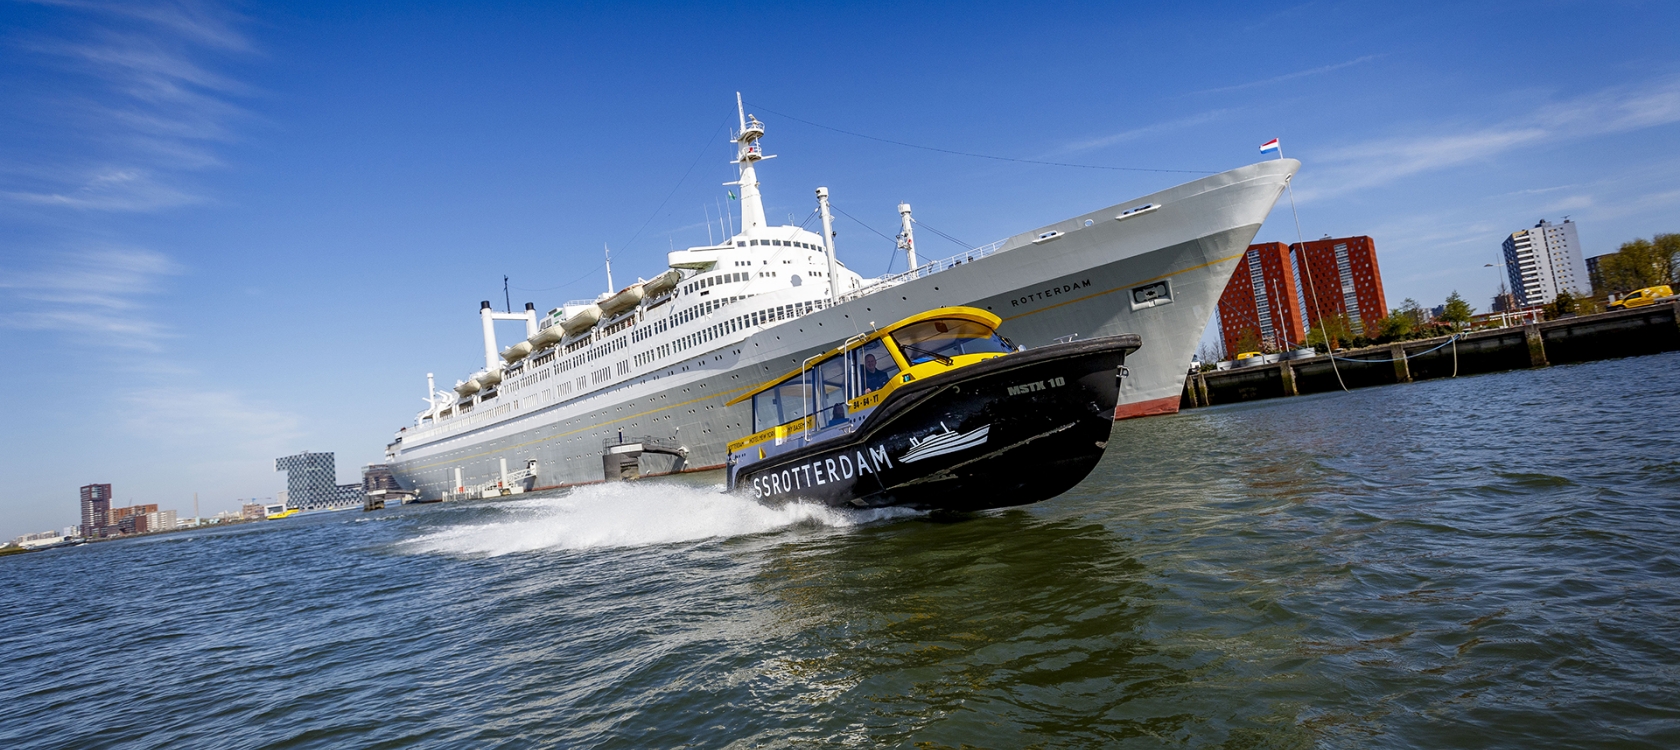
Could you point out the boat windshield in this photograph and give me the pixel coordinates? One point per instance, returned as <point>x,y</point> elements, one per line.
<point>783,403</point>
<point>829,378</point>
<point>944,338</point>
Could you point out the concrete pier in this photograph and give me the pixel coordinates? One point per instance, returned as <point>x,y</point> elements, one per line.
<point>1620,333</point>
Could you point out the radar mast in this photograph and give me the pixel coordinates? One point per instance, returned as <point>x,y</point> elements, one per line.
<point>749,151</point>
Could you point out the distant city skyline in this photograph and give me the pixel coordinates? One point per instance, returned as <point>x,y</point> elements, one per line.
<point>232,233</point>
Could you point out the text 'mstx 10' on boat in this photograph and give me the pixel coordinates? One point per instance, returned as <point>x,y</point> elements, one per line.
<point>936,412</point>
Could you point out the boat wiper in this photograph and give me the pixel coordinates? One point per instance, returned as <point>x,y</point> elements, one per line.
<point>942,359</point>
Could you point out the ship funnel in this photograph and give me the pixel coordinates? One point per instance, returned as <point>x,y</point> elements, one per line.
<point>487,317</point>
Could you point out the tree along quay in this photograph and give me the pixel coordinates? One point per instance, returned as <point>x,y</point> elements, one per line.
<point>1620,333</point>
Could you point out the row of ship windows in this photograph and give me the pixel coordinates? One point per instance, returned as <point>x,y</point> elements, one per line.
<point>739,323</point>
<point>605,374</point>
<point>777,243</point>
<point>728,278</point>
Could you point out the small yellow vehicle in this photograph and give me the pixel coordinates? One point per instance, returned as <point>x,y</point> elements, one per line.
<point>1247,355</point>
<point>1647,296</point>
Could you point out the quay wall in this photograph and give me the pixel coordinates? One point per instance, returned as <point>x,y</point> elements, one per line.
<point>1619,333</point>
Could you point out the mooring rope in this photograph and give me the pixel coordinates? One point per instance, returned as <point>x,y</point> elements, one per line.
<point>1301,240</point>
<point>1403,355</point>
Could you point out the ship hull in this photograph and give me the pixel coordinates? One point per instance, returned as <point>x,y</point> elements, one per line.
<point>1082,284</point>
<point>1009,431</point>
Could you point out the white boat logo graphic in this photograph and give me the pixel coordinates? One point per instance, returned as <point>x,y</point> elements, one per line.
<point>942,443</point>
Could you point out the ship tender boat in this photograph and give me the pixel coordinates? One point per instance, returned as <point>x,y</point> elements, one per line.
<point>937,412</point>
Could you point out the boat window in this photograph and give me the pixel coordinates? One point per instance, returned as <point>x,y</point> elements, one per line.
<point>828,377</point>
<point>783,403</point>
<point>876,367</point>
<point>944,338</point>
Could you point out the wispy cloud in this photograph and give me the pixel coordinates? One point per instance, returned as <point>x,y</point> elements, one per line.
<point>1382,160</point>
<point>100,292</point>
<point>115,190</point>
<point>226,418</point>
<point>1665,200</point>
<point>208,24</point>
<point>1147,130</point>
<point>143,105</point>
<point>1288,76</point>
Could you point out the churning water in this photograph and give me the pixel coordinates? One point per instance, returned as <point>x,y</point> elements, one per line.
<point>1479,562</point>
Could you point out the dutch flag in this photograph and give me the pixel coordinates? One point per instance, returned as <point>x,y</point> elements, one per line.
<point>1270,147</point>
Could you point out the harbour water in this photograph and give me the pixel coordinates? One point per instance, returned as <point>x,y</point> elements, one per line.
<point>1477,562</point>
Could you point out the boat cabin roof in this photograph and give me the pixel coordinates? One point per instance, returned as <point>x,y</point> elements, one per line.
<point>973,314</point>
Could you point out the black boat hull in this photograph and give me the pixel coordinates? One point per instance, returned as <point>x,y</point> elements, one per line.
<point>1010,431</point>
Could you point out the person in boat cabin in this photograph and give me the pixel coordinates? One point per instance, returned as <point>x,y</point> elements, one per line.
<point>873,377</point>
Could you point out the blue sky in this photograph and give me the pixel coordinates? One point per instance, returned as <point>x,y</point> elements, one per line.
<point>232,232</point>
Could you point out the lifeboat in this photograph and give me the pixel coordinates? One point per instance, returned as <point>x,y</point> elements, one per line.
<point>626,299</point>
<point>662,283</point>
<point>546,337</point>
<point>489,377</point>
<point>582,320</point>
<point>517,352</point>
<point>468,387</point>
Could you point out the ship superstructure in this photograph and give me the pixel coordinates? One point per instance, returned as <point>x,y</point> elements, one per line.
<point>663,357</point>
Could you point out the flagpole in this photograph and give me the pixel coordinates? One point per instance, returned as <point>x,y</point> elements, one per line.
<point>1301,242</point>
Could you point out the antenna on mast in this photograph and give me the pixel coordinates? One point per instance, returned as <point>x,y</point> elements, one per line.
<point>608,253</point>
<point>507,299</point>
<point>748,151</point>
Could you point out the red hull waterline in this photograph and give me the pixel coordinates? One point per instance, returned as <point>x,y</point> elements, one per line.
<point>1151,408</point>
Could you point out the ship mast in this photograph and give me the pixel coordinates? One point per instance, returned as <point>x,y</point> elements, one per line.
<point>749,151</point>
<point>907,237</point>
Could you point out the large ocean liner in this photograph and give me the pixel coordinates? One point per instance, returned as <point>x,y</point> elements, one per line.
<point>665,356</point>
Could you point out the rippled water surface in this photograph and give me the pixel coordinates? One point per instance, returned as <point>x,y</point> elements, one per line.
<point>1482,562</point>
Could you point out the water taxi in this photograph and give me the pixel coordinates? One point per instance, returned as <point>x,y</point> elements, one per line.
<point>937,412</point>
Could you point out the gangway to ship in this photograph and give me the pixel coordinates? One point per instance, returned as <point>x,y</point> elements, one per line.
<point>509,483</point>
<point>621,457</point>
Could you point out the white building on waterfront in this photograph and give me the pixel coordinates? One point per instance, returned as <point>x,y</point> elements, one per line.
<point>1545,260</point>
<point>163,520</point>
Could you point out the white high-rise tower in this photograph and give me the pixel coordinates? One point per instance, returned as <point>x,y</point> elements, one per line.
<point>1545,260</point>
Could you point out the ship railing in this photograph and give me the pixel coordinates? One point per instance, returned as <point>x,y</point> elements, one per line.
<point>926,269</point>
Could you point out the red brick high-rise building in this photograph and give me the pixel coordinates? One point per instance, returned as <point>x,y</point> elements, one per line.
<point>96,504</point>
<point>1346,280</point>
<point>1261,304</point>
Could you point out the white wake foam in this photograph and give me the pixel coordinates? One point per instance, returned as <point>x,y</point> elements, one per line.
<point>633,515</point>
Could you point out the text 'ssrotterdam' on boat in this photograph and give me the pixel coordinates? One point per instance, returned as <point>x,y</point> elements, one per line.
<point>666,356</point>
<point>935,412</point>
